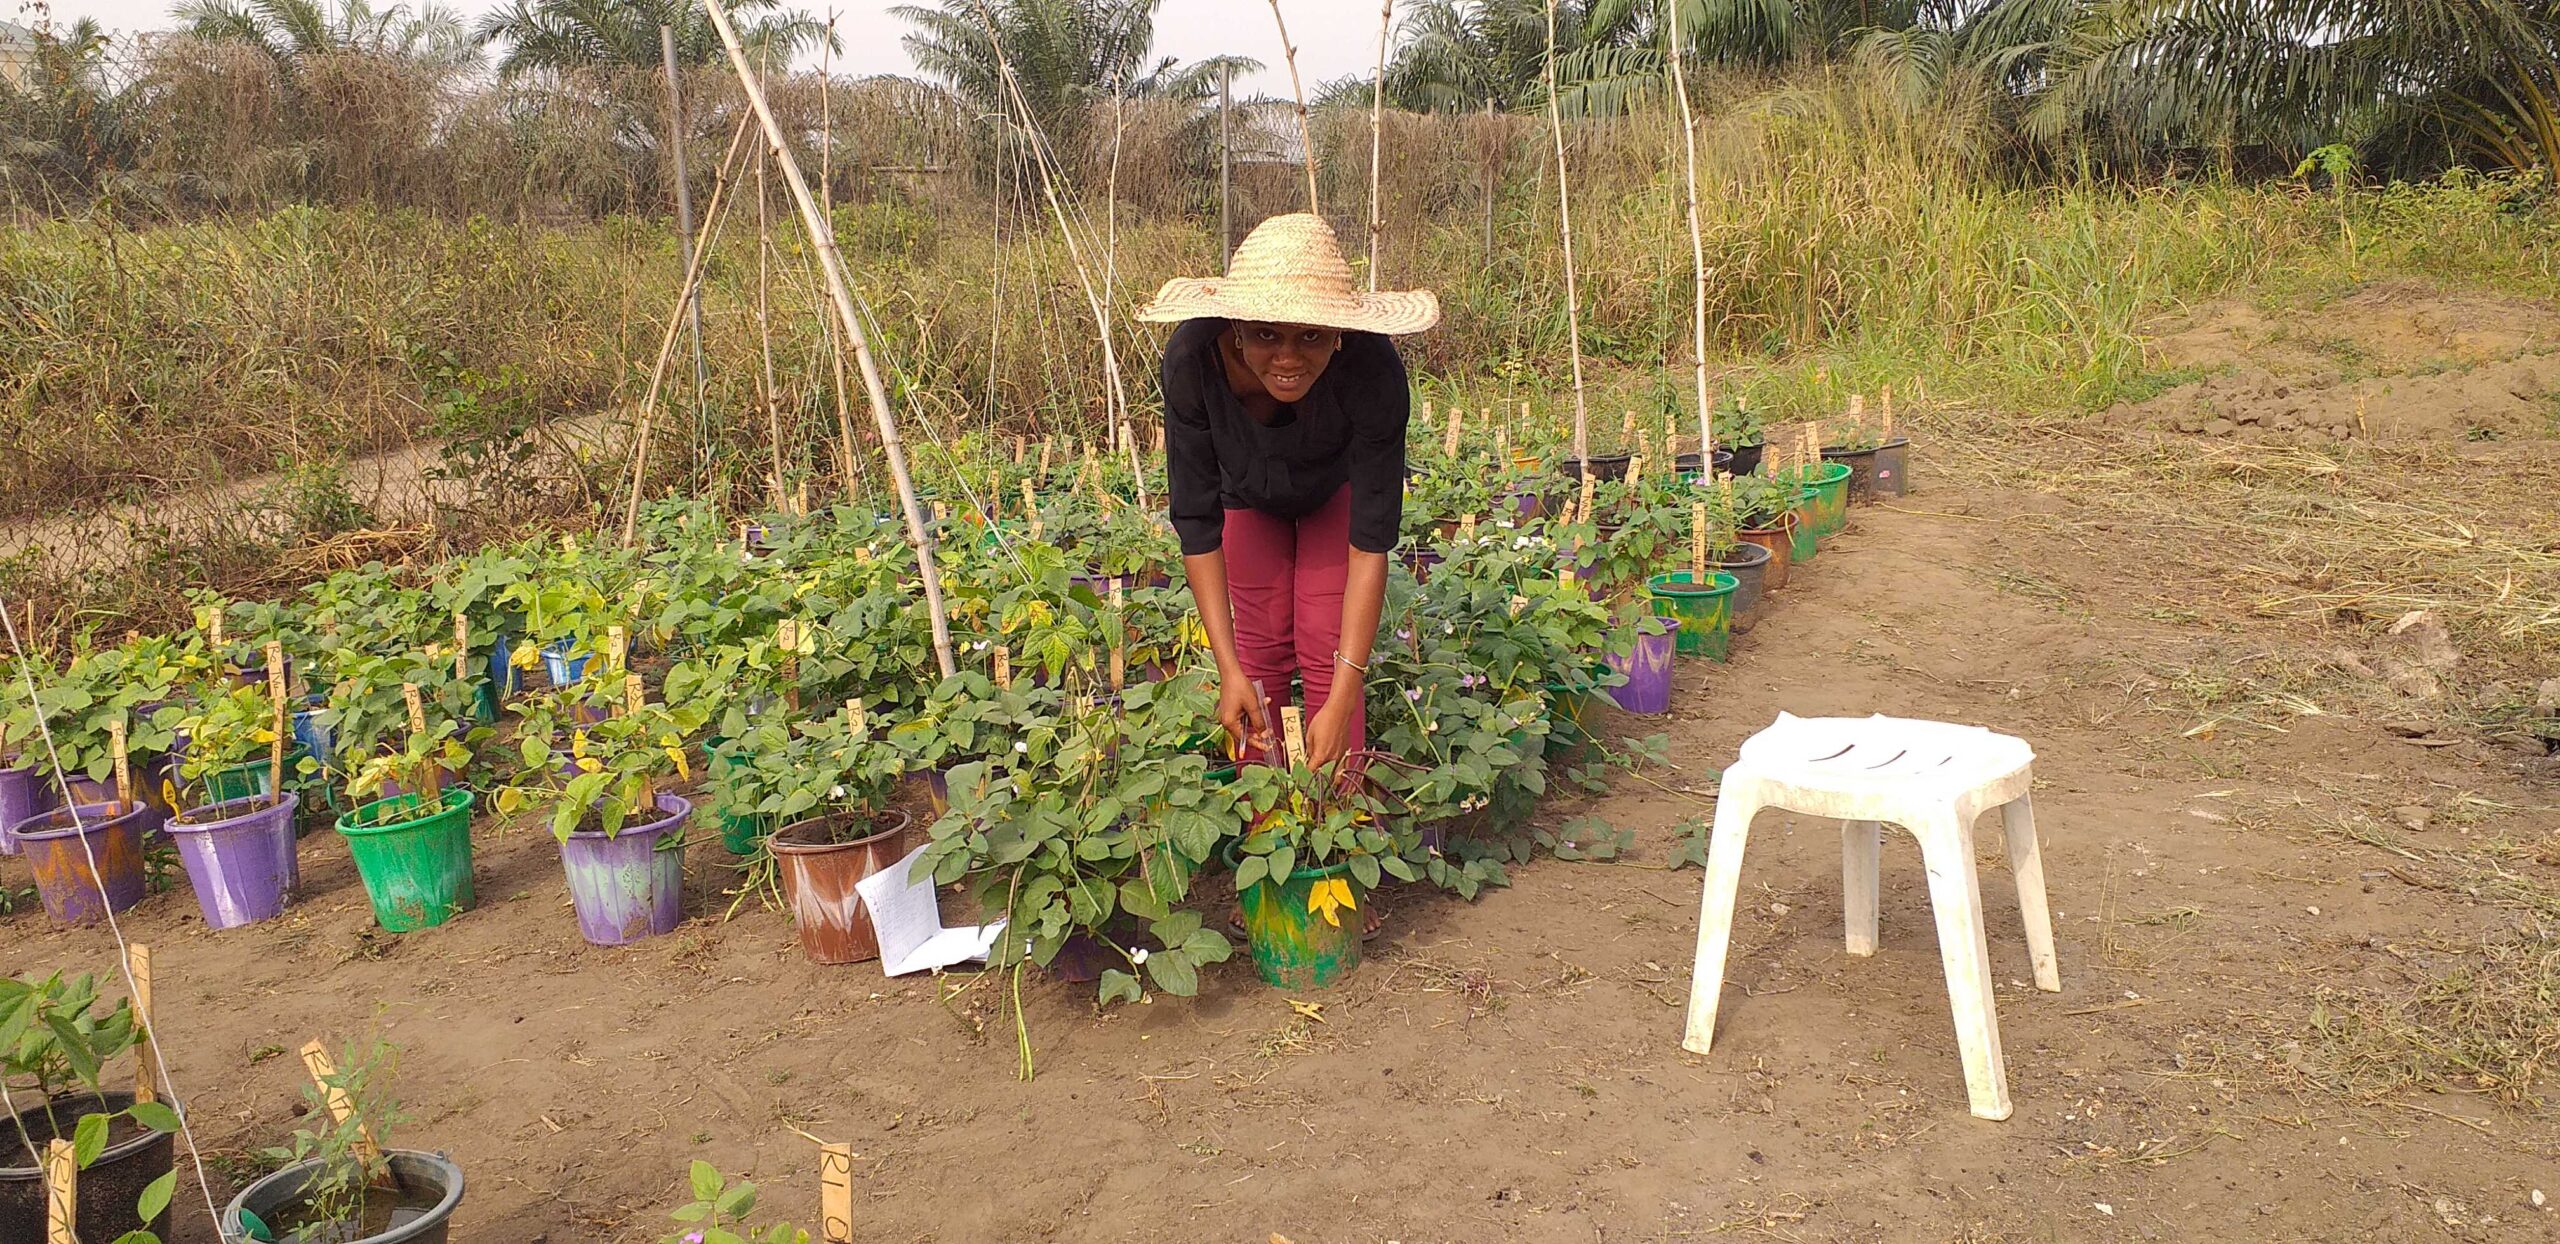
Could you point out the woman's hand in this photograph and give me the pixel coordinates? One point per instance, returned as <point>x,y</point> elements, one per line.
<point>1240,711</point>
<point>1329,734</point>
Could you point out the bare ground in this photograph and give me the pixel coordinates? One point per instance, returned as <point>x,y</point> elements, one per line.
<point>2303,916</point>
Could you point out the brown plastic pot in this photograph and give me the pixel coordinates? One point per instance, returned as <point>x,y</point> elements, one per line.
<point>1773,538</point>
<point>818,876</point>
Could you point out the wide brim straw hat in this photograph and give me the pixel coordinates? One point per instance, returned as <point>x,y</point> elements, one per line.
<point>1290,270</point>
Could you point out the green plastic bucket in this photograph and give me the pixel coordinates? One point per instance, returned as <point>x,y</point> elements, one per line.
<point>1294,948</point>
<point>416,863</point>
<point>248,779</point>
<point>740,834</point>
<point>1705,612</point>
<point>1831,499</point>
<point>1802,542</point>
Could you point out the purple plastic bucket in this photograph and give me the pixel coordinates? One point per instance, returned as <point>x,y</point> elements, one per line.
<point>22,795</point>
<point>240,857</point>
<point>81,885</point>
<point>1648,670</point>
<point>630,885</point>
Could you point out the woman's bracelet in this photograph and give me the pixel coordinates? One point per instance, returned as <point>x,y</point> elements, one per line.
<point>1338,657</point>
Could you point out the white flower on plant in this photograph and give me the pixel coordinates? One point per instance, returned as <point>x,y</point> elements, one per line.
<point>1021,748</point>
<point>835,792</point>
<point>1138,956</point>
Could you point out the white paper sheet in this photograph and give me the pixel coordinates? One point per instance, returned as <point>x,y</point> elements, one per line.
<point>907,916</point>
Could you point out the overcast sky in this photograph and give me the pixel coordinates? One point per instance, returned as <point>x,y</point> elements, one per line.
<point>1334,37</point>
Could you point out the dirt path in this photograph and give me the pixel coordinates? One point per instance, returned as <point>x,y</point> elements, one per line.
<point>1511,1069</point>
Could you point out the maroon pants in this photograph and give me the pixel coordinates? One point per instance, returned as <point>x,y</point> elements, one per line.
<point>1284,582</point>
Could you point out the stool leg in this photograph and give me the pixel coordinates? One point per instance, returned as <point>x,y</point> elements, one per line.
<point>1861,848</point>
<point>2026,863</point>
<point>1736,803</point>
<point>1955,896</point>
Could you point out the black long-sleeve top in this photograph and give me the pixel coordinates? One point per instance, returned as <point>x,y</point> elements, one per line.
<point>1349,428</point>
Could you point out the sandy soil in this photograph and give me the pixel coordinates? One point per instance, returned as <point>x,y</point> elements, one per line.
<point>2393,361</point>
<point>1511,1069</point>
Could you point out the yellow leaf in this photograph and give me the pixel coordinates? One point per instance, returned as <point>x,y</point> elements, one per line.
<point>676,754</point>
<point>1330,897</point>
<point>589,764</point>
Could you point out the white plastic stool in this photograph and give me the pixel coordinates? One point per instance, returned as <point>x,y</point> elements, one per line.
<point>1929,777</point>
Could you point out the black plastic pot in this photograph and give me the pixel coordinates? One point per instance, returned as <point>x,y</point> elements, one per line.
<point>109,1187</point>
<point>1688,463</point>
<point>428,1173</point>
<point>1746,458</point>
<point>1875,472</point>
<point>1603,466</point>
<point>1747,563</point>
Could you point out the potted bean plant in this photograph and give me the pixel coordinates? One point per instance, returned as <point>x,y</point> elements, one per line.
<point>606,787</point>
<point>831,784</point>
<point>338,1181</point>
<point>57,1038</point>
<point>1317,844</point>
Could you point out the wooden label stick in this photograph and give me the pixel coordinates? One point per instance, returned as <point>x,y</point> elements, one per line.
<point>1467,529</point>
<point>1502,447</point>
<point>1021,446</point>
<point>462,647</point>
<point>1884,415</point>
<point>146,1064</point>
<point>1045,446</point>
<point>617,644</point>
<point>1627,426</point>
<point>1635,476</point>
<point>275,691</point>
<point>786,636</point>
<point>835,1194</point>
<point>855,720</point>
<point>1004,666</point>
<point>634,694</point>
<point>316,1060</point>
<point>1457,424</point>
<point>1119,635</point>
<point>61,1194</point>
<point>1698,543</point>
<point>1426,414</point>
<point>1644,444</point>
<point>1858,407</point>
<point>430,783</point>
<point>213,625</point>
<point>1590,483</point>
<point>124,765</point>
<point>1293,732</point>
<point>1159,440</point>
<point>1030,501</point>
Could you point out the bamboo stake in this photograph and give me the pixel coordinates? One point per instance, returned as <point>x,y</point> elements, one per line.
<point>764,328</point>
<point>1564,220</point>
<point>832,264</point>
<point>685,295</point>
<point>1116,396</point>
<point>146,1059</point>
<point>1377,124</point>
<point>1697,243</point>
<point>1306,136</point>
<point>684,199</point>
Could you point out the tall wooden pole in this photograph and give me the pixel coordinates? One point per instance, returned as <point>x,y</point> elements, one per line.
<point>1226,169</point>
<point>1697,254</point>
<point>1564,217</point>
<point>847,459</point>
<point>1377,123</point>
<point>847,318</point>
<point>684,202</point>
<point>667,343</point>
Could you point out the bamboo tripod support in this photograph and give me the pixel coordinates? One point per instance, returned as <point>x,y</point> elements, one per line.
<point>1697,248</point>
<point>685,297</point>
<point>1306,135</point>
<point>1377,135</point>
<point>848,318</point>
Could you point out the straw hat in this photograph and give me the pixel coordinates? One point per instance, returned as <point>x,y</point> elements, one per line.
<point>1291,271</point>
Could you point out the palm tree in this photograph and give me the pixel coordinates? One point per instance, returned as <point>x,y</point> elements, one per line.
<point>1066,56</point>
<point>562,35</point>
<point>290,30</point>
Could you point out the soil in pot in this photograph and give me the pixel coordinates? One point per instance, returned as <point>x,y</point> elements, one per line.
<point>109,1188</point>
<point>417,1208</point>
<point>820,861</point>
